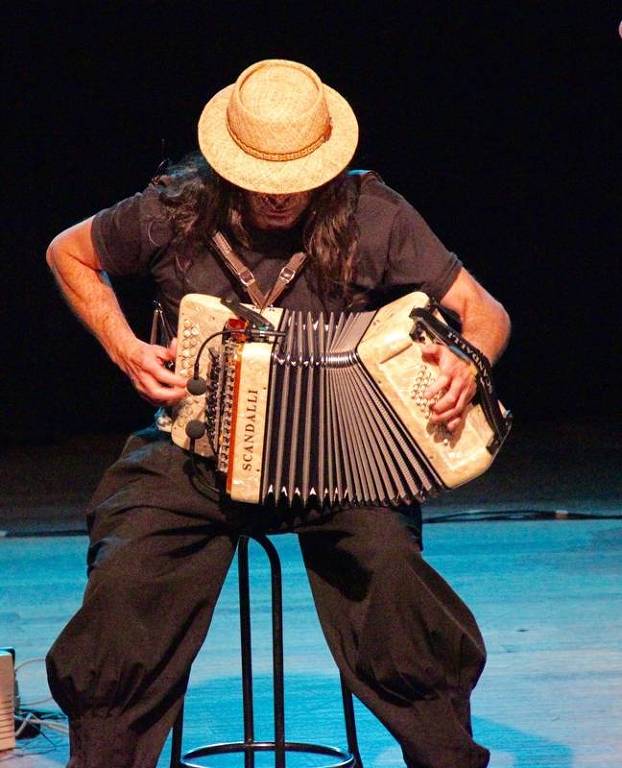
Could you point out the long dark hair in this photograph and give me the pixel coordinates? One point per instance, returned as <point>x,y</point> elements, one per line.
<point>200,202</point>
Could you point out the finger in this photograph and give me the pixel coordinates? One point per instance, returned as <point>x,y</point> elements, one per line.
<point>157,394</point>
<point>449,398</point>
<point>446,412</point>
<point>172,348</point>
<point>158,382</point>
<point>439,385</point>
<point>164,376</point>
<point>449,412</point>
<point>175,395</point>
<point>455,424</point>
<point>155,367</point>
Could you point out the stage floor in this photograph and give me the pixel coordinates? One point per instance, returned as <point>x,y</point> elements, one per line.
<point>547,593</point>
<point>534,547</point>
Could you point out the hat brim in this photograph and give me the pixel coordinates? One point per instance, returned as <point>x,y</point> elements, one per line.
<point>230,161</point>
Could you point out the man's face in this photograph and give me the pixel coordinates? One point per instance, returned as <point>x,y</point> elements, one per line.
<point>275,211</point>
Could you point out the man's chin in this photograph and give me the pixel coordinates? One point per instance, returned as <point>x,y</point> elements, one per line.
<point>269,223</point>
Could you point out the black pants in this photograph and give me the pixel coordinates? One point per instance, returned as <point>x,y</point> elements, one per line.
<point>407,645</point>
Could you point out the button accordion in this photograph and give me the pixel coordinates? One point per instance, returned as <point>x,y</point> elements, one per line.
<point>331,409</point>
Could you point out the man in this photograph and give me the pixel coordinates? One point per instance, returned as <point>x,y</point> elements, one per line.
<point>276,145</point>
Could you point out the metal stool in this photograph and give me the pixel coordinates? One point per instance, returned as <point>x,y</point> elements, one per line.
<point>342,758</point>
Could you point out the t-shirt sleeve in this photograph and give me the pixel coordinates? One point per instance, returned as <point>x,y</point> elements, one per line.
<point>128,235</point>
<point>417,257</point>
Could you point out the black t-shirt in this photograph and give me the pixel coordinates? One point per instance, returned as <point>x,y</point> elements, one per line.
<point>397,253</point>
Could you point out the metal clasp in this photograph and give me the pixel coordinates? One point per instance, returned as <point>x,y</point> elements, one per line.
<point>287,274</point>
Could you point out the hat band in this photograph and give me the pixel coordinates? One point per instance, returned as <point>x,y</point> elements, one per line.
<point>280,156</point>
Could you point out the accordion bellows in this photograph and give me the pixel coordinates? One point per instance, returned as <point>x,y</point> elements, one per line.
<point>326,409</point>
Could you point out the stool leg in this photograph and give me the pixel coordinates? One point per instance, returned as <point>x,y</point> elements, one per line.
<point>348,712</point>
<point>247,662</point>
<point>178,727</point>
<point>277,650</point>
<point>279,745</point>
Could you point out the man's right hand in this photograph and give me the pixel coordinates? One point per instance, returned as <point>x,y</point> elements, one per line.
<point>146,366</point>
<point>79,272</point>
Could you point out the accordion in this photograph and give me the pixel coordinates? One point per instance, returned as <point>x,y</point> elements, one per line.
<point>297,409</point>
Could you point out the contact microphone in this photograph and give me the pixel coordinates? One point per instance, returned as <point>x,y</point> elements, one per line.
<point>196,385</point>
<point>195,429</point>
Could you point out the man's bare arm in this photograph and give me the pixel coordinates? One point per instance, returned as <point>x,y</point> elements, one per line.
<point>79,274</point>
<point>486,324</point>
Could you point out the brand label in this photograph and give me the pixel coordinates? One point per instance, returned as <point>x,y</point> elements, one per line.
<point>249,448</point>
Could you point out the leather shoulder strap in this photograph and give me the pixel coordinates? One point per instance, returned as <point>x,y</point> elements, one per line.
<point>246,277</point>
<point>286,276</point>
<point>238,268</point>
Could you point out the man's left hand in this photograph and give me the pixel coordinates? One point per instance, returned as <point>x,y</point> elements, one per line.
<point>455,386</point>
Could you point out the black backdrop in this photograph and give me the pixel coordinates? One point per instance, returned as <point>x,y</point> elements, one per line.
<point>497,120</point>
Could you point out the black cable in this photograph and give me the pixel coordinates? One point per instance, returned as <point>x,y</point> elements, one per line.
<point>518,515</point>
<point>202,349</point>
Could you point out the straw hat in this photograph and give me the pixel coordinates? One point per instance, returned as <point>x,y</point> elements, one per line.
<point>278,129</point>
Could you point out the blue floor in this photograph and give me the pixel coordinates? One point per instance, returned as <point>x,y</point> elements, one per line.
<point>547,594</point>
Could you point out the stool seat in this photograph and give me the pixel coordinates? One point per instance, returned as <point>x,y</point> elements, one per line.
<point>249,747</point>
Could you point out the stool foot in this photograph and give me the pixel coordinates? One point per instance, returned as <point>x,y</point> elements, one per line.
<point>344,759</point>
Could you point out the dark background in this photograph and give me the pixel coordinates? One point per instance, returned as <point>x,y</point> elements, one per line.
<point>498,121</point>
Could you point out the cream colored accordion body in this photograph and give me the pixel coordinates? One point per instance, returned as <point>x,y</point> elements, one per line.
<point>327,409</point>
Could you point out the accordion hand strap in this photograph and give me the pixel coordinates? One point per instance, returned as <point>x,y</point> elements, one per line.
<point>247,278</point>
<point>499,422</point>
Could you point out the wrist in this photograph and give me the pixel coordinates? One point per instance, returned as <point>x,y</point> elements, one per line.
<point>122,348</point>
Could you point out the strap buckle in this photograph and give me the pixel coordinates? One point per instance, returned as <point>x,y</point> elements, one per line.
<point>287,274</point>
<point>246,277</point>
